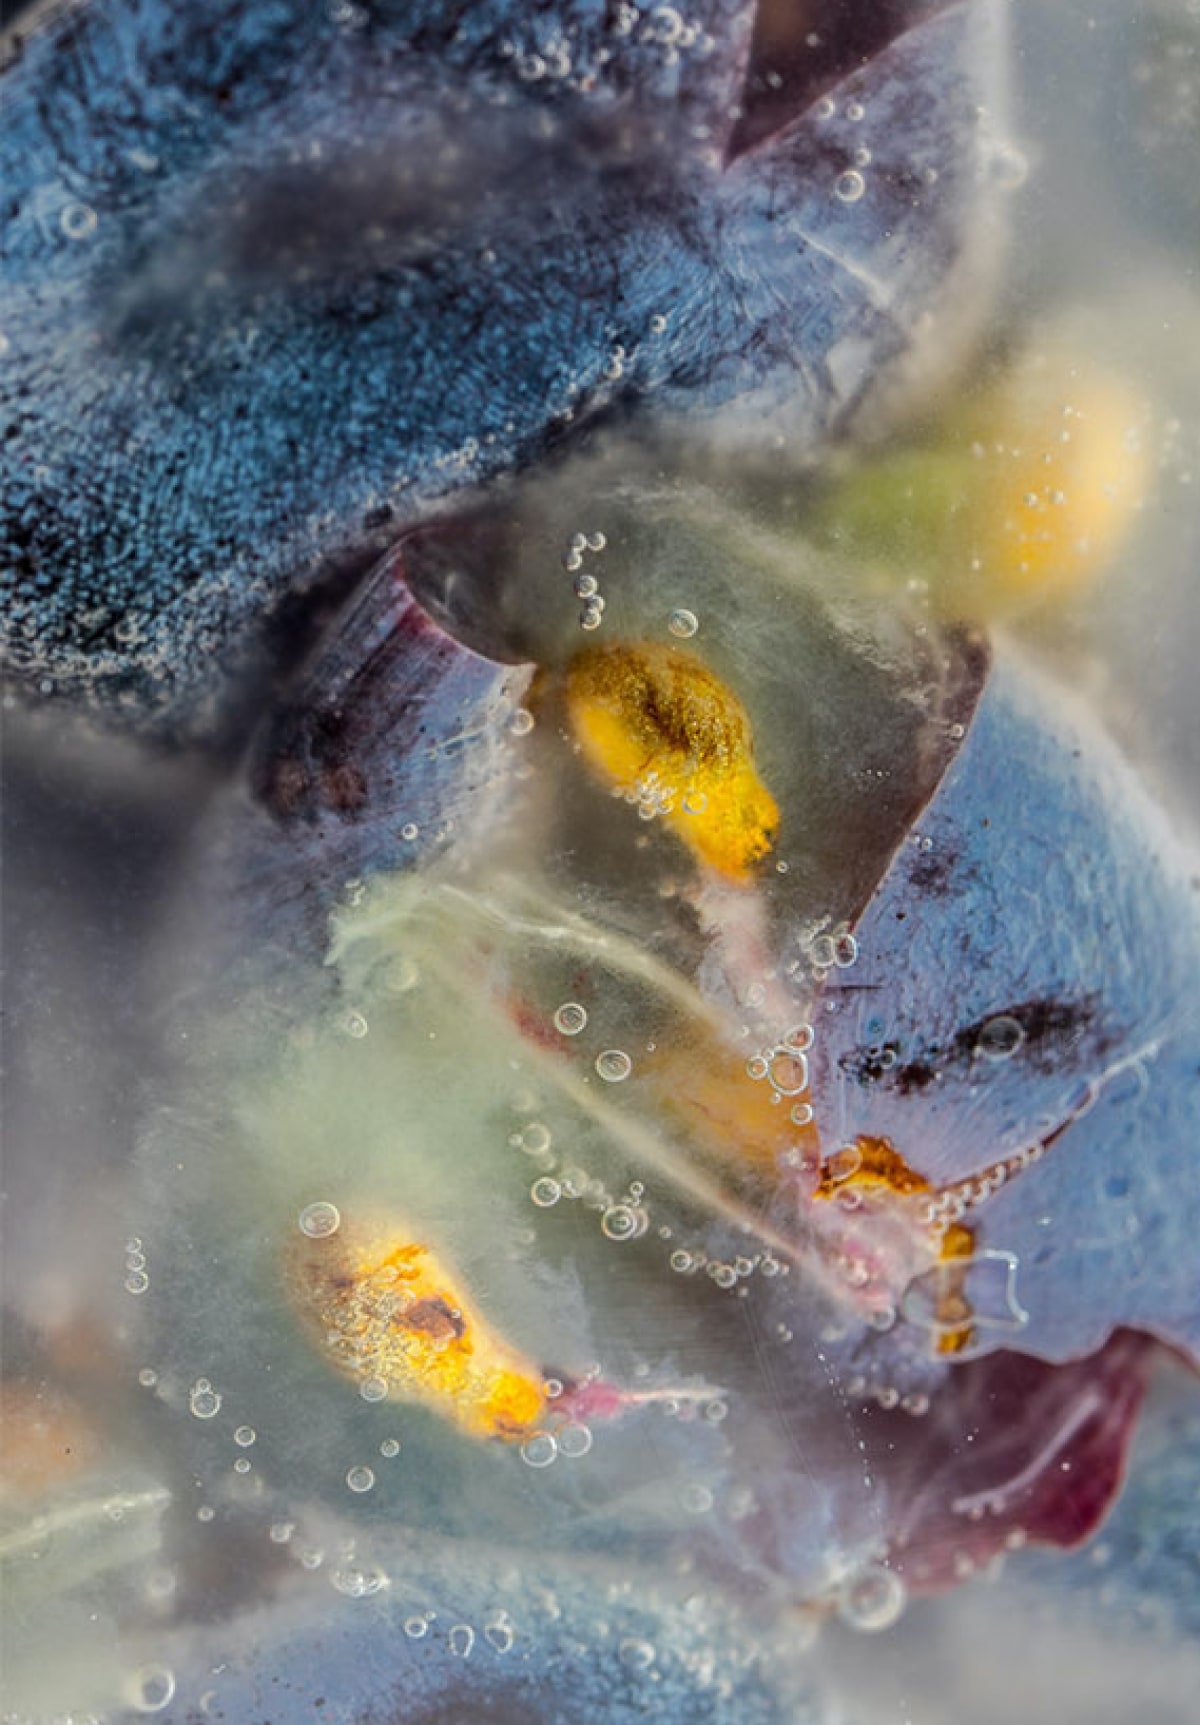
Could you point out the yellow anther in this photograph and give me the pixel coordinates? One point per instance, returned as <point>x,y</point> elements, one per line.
<point>663,729</point>
<point>1061,470</point>
<point>1026,492</point>
<point>384,1308</point>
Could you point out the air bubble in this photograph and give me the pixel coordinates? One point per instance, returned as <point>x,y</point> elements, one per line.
<point>320,1220</point>
<point>854,111</point>
<point>694,803</point>
<point>570,1018</point>
<point>696,1499</point>
<point>824,952</point>
<point>204,1401</point>
<point>409,831</point>
<point>586,587</point>
<point>802,1114</point>
<point>682,1263</point>
<point>683,624</point>
<point>137,1282</point>
<point>78,221</point>
<point>358,1583</point>
<point>401,975</point>
<point>545,1192</point>
<point>390,1448</point>
<point>521,723</point>
<point>724,1275</point>
<point>535,1139</point>
<point>850,186</point>
<point>373,1389</point>
<point>1009,167</point>
<point>280,1532</point>
<point>622,1222</point>
<point>999,1038</point>
<point>415,1628</point>
<point>147,1377</point>
<point>789,1071</point>
<point>757,1067</point>
<point>845,950</point>
<point>539,1450</point>
<point>460,1638</point>
<point>614,1065</point>
<point>244,1436</point>
<point>151,1689</point>
<point>355,1024</point>
<point>826,108</point>
<point>498,1634</point>
<point>575,1440</point>
<point>591,616</point>
<point>873,1599</point>
<point>360,1479</point>
<point>638,1655</point>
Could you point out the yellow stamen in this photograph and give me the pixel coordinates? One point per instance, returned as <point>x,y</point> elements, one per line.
<point>381,1306</point>
<point>660,726</point>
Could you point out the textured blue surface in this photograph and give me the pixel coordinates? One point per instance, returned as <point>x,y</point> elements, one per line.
<point>276,284</point>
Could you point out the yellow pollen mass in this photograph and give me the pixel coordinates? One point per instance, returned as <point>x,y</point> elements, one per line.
<point>381,1306</point>
<point>658,725</point>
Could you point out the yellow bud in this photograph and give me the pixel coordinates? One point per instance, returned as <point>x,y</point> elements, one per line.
<point>662,728</point>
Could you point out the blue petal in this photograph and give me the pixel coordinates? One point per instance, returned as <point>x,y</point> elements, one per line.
<point>1026,981</point>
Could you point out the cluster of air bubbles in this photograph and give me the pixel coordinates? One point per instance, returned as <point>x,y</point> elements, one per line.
<point>150,1689</point>
<point>613,1065</point>
<point>203,1400</point>
<point>872,1599</point>
<point>136,1279</point>
<point>784,1065</point>
<point>318,1221</point>
<point>828,947</point>
<point>682,623</point>
<point>570,1018</point>
<point>543,1448</point>
<point>652,797</point>
<point>587,587</point>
